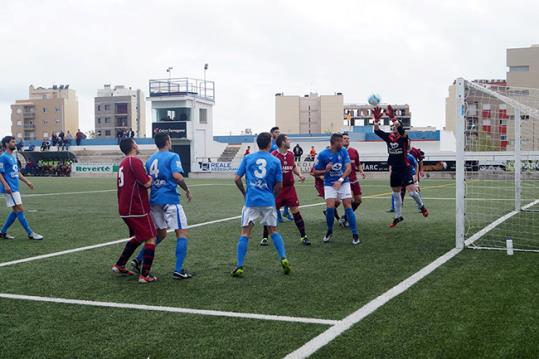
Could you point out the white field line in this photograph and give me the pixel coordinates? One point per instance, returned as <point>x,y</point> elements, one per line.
<point>85,248</point>
<point>108,190</point>
<point>215,313</point>
<point>497,222</point>
<point>330,334</point>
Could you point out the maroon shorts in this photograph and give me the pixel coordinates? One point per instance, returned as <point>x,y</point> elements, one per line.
<point>320,189</point>
<point>142,228</point>
<point>287,198</point>
<point>356,188</point>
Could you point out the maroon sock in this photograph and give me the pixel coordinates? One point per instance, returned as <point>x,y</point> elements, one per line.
<point>298,219</point>
<point>149,252</point>
<point>403,193</point>
<point>127,252</point>
<point>355,205</point>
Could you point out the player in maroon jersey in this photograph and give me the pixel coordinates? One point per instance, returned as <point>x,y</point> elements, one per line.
<point>288,196</point>
<point>356,167</point>
<point>134,208</point>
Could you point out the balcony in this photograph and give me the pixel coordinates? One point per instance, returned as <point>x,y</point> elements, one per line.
<point>183,87</point>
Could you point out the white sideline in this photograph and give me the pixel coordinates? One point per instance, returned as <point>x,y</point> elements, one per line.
<point>85,248</point>
<point>215,313</point>
<point>327,336</point>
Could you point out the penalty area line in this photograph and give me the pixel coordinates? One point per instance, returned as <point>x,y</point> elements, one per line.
<point>156,308</point>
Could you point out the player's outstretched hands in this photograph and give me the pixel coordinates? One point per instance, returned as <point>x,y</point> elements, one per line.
<point>377,114</point>
<point>189,196</point>
<point>391,113</point>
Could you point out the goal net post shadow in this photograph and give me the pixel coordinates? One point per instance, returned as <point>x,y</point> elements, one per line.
<point>497,165</point>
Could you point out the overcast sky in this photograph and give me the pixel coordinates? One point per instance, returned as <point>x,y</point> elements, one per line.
<point>407,51</point>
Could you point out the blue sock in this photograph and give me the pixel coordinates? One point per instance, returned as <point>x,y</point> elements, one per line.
<point>279,216</point>
<point>279,244</point>
<point>181,252</point>
<point>330,218</point>
<point>392,203</point>
<point>243,243</point>
<point>286,212</point>
<point>9,221</point>
<point>140,255</point>
<point>351,218</point>
<point>24,222</point>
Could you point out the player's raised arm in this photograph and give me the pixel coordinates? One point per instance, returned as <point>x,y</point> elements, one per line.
<point>377,115</point>
<point>391,114</point>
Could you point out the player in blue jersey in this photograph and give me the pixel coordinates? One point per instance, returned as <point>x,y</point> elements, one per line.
<point>166,170</point>
<point>275,132</point>
<point>264,180</point>
<point>334,164</point>
<point>10,176</point>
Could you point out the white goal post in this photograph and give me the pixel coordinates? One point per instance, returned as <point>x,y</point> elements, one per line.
<point>497,166</point>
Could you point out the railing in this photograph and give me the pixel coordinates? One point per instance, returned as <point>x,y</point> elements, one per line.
<point>183,87</point>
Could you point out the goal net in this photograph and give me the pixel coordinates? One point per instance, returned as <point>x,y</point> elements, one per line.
<point>498,148</point>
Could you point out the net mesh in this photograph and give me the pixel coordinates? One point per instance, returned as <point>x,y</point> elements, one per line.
<point>499,203</point>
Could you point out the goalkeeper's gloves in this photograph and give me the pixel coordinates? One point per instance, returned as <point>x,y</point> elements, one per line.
<point>391,113</point>
<point>377,114</point>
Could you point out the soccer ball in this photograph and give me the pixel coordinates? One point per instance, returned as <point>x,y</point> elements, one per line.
<point>374,100</point>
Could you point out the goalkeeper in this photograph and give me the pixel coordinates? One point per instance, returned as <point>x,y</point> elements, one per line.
<point>397,148</point>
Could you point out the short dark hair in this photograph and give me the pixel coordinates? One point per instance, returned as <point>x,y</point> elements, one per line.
<point>263,140</point>
<point>280,140</point>
<point>334,137</point>
<point>273,129</point>
<point>345,133</point>
<point>7,140</point>
<point>126,145</point>
<point>161,139</point>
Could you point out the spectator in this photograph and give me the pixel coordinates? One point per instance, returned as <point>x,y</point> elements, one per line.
<point>79,136</point>
<point>298,152</point>
<point>45,145</point>
<point>31,147</point>
<point>312,154</point>
<point>54,140</point>
<point>131,133</point>
<point>61,137</point>
<point>119,136</point>
<point>247,151</point>
<point>20,145</point>
<point>69,139</point>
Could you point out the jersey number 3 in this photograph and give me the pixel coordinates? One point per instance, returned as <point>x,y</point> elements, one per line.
<point>261,171</point>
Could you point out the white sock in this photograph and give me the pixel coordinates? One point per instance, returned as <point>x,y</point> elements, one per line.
<point>398,203</point>
<point>417,198</point>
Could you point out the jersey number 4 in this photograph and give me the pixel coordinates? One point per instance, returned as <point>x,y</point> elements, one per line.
<point>154,169</point>
<point>261,171</point>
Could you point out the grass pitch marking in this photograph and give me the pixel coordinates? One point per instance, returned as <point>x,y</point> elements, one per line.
<point>100,245</point>
<point>333,332</point>
<point>215,313</point>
